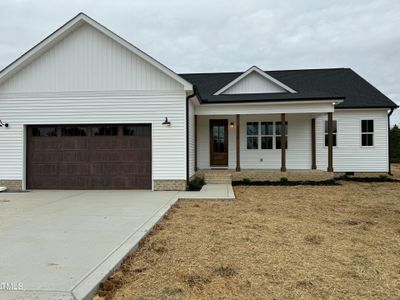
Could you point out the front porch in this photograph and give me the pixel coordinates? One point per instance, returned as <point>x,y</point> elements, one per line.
<point>227,176</point>
<point>256,146</point>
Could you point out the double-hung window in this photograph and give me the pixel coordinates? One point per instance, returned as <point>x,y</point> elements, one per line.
<point>264,135</point>
<point>334,133</point>
<point>278,135</point>
<point>252,135</point>
<point>367,133</point>
<point>267,135</point>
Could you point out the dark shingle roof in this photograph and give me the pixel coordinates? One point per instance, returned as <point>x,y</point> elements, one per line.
<point>315,84</point>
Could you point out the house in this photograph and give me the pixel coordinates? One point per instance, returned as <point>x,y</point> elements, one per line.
<point>85,109</point>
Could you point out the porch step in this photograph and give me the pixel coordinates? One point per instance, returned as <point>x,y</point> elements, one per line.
<point>220,177</point>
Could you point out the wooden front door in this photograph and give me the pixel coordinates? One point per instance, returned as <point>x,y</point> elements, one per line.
<point>219,142</point>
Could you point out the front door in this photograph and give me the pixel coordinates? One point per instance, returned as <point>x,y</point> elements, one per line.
<point>219,143</point>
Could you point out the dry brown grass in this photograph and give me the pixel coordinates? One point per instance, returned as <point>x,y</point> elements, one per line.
<point>396,170</point>
<point>321,242</point>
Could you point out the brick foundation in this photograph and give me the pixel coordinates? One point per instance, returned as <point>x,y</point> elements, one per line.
<point>12,185</point>
<point>225,176</point>
<point>170,185</point>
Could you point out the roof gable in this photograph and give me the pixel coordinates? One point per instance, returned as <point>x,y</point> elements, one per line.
<point>254,81</point>
<point>75,24</point>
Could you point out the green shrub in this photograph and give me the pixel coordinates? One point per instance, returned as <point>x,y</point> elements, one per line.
<point>284,180</point>
<point>246,181</point>
<point>196,184</point>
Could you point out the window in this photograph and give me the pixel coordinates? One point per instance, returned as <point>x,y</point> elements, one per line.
<point>367,133</point>
<point>252,135</point>
<point>267,135</point>
<point>260,135</point>
<point>73,131</point>
<point>334,133</point>
<point>137,130</point>
<point>105,131</point>
<point>278,135</point>
<point>44,131</point>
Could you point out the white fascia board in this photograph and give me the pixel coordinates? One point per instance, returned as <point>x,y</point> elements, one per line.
<point>259,71</point>
<point>71,25</point>
<point>300,107</point>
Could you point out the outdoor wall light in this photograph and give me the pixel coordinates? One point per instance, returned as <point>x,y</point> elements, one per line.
<point>231,125</point>
<point>3,124</point>
<point>166,122</point>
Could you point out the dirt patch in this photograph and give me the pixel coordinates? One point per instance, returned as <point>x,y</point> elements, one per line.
<point>277,242</point>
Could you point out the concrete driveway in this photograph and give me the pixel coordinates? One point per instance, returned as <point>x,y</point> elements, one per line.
<point>60,244</point>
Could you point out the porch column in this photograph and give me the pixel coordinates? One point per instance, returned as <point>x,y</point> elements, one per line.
<point>313,146</point>
<point>237,143</point>
<point>195,142</point>
<point>283,143</point>
<point>330,142</point>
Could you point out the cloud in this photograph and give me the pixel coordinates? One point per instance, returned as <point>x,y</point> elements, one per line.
<point>209,35</point>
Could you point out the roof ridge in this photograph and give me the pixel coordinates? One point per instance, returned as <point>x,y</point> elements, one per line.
<point>282,70</point>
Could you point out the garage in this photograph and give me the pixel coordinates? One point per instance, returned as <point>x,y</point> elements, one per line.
<point>89,157</point>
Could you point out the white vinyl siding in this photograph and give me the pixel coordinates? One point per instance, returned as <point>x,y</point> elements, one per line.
<point>254,83</point>
<point>191,140</point>
<point>299,139</point>
<point>168,143</point>
<point>349,155</point>
<point>88,60</point>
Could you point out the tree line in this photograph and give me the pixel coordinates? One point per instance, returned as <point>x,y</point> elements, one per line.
<point>395,144</point>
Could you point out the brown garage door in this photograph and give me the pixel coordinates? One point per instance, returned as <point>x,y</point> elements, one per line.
<point>89,157</point>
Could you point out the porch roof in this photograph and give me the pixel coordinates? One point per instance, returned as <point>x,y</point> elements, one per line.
<point>310,85</point>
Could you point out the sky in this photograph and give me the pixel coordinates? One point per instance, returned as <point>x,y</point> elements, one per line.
<point>230,35</point>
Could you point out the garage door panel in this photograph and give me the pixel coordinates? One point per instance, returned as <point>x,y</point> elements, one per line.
<point>44,169</point>
<point>74,169</point>
<point>105,143</point>
<point>45,156</point>
<point>45,143</point>
<point>106,156</point>
<point>88,162</point>
<point>71,143</point>
<point>101,182</point>
<point>75,156</point>
<point>44,182</point>
<point>72,182</point>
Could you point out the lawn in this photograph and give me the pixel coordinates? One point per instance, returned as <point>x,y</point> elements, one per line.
<point>272,242</point>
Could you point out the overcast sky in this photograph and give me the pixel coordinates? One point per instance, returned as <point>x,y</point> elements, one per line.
<point>229,35</point>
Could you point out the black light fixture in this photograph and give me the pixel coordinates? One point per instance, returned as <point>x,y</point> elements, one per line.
<point>166,122</point>
<point>3,124</point>
<point>231,125</point>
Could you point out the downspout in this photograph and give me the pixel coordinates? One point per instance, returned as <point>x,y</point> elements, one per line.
<point>187,133</point>
<point>389,152</point>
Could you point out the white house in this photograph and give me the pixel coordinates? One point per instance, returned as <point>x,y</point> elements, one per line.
<point>85,109</point>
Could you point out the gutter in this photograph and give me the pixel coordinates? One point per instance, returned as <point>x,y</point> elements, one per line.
<point>389,152</point>
<point>187,132</point>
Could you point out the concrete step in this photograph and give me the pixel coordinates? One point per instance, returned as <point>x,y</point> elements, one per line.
<point>217,178</point>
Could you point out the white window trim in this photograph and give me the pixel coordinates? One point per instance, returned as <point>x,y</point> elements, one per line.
<point>259,135</point>
<point>267,135</point>
<point>372,132</point>
<point>254,135</point>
